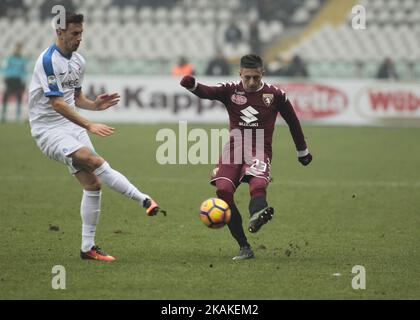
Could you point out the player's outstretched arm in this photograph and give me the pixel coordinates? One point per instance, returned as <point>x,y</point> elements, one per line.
<point>189,83</point>
<point>289,115</point>
<point>201,90</point>
<point>102,102</point>
<point>61,106</point>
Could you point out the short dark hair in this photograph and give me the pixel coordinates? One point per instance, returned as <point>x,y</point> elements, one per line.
<point>251,61</point>
<point>72,17</point>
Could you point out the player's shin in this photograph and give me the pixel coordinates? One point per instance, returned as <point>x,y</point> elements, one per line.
<point>225,191</point>
<point>257,190</point>
<point>119,183</point>
<point>257,204</point>
<point>90,210</point>
<point>259,210</point>
<point>236,228</point>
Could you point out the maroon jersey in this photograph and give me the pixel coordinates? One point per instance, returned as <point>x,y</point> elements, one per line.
<point>255,110</point>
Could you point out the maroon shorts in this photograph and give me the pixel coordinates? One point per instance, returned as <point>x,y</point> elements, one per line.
<point>238,173</point>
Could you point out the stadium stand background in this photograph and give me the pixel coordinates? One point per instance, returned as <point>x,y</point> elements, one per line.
<point>149,36</point>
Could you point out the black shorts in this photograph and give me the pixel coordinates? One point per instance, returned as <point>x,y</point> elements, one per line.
<point>14,85</point>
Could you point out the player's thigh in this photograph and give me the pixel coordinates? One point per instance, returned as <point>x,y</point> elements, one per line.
<point>86,158</point>
<point>88,180</point>
<point>83,137</point>
<point>230,172</point>
<point>71,146</point>
<point>257,167</point>
<point>58,145</point>
<point>88,153</point>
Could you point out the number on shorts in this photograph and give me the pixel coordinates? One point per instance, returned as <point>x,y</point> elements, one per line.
<point>259,166</point>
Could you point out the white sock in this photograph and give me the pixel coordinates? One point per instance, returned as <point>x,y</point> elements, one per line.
<point>90,210</point>
<point>117,182</point>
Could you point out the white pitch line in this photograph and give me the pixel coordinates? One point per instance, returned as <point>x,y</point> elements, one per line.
<point>201,180</point>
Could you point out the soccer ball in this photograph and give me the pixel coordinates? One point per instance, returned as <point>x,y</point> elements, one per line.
<point>215,213</point>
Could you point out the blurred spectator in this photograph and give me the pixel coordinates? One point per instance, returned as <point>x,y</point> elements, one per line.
<point>297,68</point>
<point>359,67</point>
<point>277,67</point>
<point>3,8</point>
<point>233,34</point>
<point>218,66</point>
<point>143,3</point>
<point>387,70</point>
<point>276,10</point>
<point>248,5</point>
<point>14,78</point>
<point>12,8</point>
<point>254,38</point>
<point>183,68</point>
<point>411,65</point>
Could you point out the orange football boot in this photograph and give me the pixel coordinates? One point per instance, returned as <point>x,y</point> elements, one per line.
<point>96,253</point>
<point>152,208</point>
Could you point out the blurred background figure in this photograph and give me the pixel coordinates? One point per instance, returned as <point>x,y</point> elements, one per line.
<point>277,67</point>
<point>387,70</point>
<point>254,37</point>
<point>297,68</point>
<point>183,68</point>
<point>14,80</point>
<point>233,35</point>
<point>218,66</point>
<point>133,37</point>
<point>12,8</point>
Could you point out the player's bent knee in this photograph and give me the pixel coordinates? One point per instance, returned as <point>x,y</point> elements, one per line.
<point>223,193</point>
<point>92,162</point>
<point>257,187</point>
<point>88,180</point>
<point>95,162</point>
<point>84,158</point>
<point>89,163</point>
<point>225,190</point>
<point>93,186</point>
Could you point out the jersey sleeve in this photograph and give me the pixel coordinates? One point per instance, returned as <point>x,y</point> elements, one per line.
<point>47,73</point>
<point>286,110</point>
<point>219,92</point>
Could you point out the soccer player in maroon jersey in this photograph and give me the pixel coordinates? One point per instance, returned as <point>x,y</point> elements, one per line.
<point>252,106</point>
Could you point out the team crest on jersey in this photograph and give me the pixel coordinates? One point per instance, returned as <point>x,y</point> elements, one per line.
<point>52,81</point>
<point>239,99</point>
<point>268,98</point>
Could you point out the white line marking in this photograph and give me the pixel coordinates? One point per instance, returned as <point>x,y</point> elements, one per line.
<point>203,180</point>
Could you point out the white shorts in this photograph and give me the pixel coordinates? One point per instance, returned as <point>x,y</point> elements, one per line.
<point>59,143</point>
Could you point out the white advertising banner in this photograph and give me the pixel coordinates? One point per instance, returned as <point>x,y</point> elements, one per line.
<point>153,99</point>
<point>326,101</point>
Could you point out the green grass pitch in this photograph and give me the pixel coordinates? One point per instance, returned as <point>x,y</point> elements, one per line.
<point>358,203</point>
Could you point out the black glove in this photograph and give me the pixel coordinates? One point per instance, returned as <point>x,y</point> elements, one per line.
<point>305,160</point>
<point>188,82</point>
